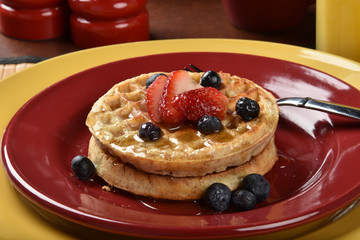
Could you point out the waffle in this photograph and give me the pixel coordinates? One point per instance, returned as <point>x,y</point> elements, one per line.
<point>128,178</point>
<point>115,118</point>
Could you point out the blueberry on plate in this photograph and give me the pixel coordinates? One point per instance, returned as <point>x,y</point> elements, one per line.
<point>149,132</point>
<point>211,79</point>
<point>247,108</point>
<point>217,197</point>
<point>243,200</point>
<point>83,168</point>
<point>152,78</point>
<point>258,185</point>
<point>209,124</point>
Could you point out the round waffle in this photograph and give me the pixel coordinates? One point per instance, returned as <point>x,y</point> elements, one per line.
<point>128,178</point>
<point>115,118</point>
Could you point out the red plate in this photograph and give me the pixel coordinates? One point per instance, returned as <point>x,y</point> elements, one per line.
<point>316,176</point>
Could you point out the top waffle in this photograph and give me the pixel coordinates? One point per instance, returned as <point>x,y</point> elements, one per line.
<point>115,118</point>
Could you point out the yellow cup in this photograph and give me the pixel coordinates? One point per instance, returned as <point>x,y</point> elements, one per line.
<point>338,27</point>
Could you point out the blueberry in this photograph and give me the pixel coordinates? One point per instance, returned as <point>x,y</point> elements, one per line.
<point>247,108</point>
<point>83,168</point>
<point>149,131</point>
<point>211,79</point>
<point>258,185</point>
<point>217,197</point>
<point>152,78</point>
<point>209,124</point>
<point>243,200</point>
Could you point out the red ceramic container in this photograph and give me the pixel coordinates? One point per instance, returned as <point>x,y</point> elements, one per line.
<point>31,23</point>
<point>32,3</point>
<point>106,9</point>
<point>265,15</point>
<point>97,23</point>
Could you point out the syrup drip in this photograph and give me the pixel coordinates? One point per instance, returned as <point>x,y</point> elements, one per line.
<point>283,180</point>
<point>286,178</point>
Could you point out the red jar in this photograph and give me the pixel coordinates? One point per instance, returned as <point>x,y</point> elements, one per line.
<point>32,3</point>
<point>34,20</point>
<point>103,22</point>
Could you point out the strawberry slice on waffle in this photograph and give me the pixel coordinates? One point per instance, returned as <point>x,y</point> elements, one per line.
<point>197,103</point>
<point>178,82</point>
<point>153,96</point>
<point>177,98</point>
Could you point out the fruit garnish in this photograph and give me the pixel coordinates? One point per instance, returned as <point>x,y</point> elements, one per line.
<point>200,102</point>
<point>243,200</point>
<point>247,108</point>
<point>178,82</point>
<point>83,168</point>
<point>211,79</point>
<point>217,197</point>
<point>152,78</point>
<point>153,97</point>
<point>253,190</point>
<point>258,185</point>
<point>209,124</point>
<point>149,132</point>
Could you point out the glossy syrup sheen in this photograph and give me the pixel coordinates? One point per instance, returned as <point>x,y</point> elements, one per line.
<point>294,172</point>
<point>282,173</point>
<point>286,178</point>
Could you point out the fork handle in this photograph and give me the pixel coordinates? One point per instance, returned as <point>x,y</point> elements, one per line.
<point>342,110</point>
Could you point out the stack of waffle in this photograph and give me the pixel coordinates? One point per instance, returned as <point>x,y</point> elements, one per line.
<point>183,163</point>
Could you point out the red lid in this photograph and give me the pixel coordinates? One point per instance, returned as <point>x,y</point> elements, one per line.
<point>32,3</point>
<point>107,9</point>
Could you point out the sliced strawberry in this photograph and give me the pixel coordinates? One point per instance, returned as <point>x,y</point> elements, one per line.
<point>173,117</point>
<point>178,82</point>
<point>153,96</point>
<point>199,102</point>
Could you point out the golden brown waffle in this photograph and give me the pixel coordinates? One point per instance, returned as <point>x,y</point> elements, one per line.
<point>115,118</point>
<point>128,178</point>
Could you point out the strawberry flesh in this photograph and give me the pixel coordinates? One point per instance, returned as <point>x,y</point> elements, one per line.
<point>202,101</point>
<point>178,82</point>
<point>177,98</point>
<point>153,96</point>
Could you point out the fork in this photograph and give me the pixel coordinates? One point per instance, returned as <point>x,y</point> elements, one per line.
<point>307,102</point>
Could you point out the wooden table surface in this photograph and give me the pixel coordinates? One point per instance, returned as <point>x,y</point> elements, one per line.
<point>174,19</point>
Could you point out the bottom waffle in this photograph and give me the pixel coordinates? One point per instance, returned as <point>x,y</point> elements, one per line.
<point>130,179</point>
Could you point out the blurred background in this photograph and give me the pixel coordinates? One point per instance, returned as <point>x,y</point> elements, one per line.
<point>173,19</point>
